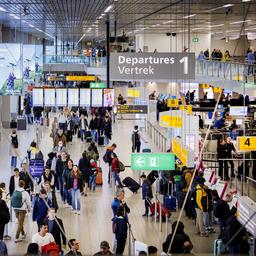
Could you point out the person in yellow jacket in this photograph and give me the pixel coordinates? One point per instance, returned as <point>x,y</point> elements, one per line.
<point>201,206</point>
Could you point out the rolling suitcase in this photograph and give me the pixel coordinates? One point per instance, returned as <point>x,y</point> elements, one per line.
<point>13,125</point>
<point>170,201</point>
<point>99,178</point>
<point>101,141</point>
<point>152,176</point>
<point>130,183</point>
<point>21,124</point>
<point>156,206</point>
<point>146,150</point>
<point>88,134</point>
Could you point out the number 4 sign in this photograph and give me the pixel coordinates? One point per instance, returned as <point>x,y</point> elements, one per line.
<point>246,143</point>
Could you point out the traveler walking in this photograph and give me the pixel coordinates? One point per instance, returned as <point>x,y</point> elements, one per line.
<point>14,181</point>
<point>73,244</point>
<point>230,149</point>
<point>222,154</point>
<point>61,164</point>
<point>201,206</point>
<point>84,166</point>
<point>108,158</point>
<point>4,215</point>
<point>83,126</point>
<point>60,136</point>
<point>48,176</point>
<point>42,237</point>
<point>14,147</point>
<point>40,208</point>
<point>120,228</point>
<point>147,194</point>
<point>94,126</point>
<point>29,186</point>
<point>56,228</point>
<point>107,130</point>
<point>75,185</point>
<point>118,201</point>
<point>51,195</point>
<point>62,121</point>
<point>65,176</point>
<point>20,202</point>
<point>92,172</point>
<point>136,141</point>
<point>70,129</point>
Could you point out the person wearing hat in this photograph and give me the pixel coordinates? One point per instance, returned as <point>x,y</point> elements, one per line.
<point>104,249</point>
<point>136,143</point>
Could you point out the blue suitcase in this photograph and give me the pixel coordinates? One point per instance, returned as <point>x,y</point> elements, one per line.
<point>170,202</point>
<point>36,167</point>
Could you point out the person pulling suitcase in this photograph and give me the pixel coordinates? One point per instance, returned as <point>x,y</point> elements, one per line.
<point>146,193</point>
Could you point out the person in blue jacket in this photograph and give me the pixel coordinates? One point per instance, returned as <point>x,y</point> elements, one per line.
<point>118,201</point>
<point>147,194</point>
<point>120,228</point>
<point>40,209</point>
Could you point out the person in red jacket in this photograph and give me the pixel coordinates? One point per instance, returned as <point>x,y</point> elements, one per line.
<point>116,171</point>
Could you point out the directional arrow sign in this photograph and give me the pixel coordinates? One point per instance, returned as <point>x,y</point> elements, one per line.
<point>147,161</point>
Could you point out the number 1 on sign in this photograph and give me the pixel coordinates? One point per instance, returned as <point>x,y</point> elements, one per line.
<point>185,61</point>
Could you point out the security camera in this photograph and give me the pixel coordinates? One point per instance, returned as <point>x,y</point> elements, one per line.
<point>168,34</point>
<point>174,34</point>
<point>228,11</point>
<point>26,10</point>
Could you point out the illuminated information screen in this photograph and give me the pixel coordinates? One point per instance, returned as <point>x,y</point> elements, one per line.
<point>85,97</point>
<point>49,99</point>
<point>38,97</point>
<point>73,97</point>
<point>61,97</point>
<point>96,98</point>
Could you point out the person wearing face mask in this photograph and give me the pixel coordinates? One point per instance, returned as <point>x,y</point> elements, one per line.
<point>60,148</point>
<point>60,136</point>
<point>40,208</point>
<point>56,228</point>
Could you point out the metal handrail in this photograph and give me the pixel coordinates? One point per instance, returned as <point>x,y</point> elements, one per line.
<point>248,184</point>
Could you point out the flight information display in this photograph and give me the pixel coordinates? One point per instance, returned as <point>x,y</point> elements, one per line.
<point>85,97</point>
<point>49,99</point>
<point>61,97</point>
<point>38,97</point>
<point>96,98</point>
<point>73,97</point>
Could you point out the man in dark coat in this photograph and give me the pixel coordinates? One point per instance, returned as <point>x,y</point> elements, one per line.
<point>147,194</point>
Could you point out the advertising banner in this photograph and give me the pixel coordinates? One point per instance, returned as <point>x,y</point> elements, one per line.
<point>108,97</point>
<point>152,66</point>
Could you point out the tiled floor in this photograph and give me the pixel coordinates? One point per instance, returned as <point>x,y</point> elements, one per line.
<point>94,223</point>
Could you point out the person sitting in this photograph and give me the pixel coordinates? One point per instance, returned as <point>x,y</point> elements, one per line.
<point>104,249</point>
<point>181,242</point>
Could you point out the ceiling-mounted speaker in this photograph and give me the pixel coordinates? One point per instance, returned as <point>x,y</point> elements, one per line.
<point>174,34</point>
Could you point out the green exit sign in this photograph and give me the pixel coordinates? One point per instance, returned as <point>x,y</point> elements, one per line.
<point>97,85</point>
<point>149,162</point>
<point>195,39</point>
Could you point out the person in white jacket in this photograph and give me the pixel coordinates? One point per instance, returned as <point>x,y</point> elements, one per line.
<point>21,211</point>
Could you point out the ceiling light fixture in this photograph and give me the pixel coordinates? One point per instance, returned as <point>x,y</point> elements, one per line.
<point>153,26</point>
<point>109,8</point>
<point>24,21</point>
<point>32,26</point>
<point>215,26</point>
<point>227,5</point>
<point>238,22</point>
<point>2,9</point>
<point>15,16</point>
<point>245,1</point>
<point>189,16</point>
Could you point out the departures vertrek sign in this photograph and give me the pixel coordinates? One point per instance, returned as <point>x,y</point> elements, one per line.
<point>152,66</point>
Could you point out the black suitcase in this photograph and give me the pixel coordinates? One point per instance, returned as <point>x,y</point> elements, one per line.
<point>88,139</point>
<point>13,125</point>
<point>152,176</point>
<point>130,183</point>
<point>88,134</point>
<point>21,124</point>
<point>101,141</point>
<point>78,134</point>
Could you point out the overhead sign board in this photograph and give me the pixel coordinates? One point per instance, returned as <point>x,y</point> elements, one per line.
<point>172,103</point>
<point>187,108</point>
<point>132,109</point>
<point>217,90</point>
<point>206,86</point>
<point>151,66</point>
<point>148,162</point>
<point>133,93</point>
<point>80,78</point>
<point>99,85</point>
<point>246,143</point>
<point>171,121</point>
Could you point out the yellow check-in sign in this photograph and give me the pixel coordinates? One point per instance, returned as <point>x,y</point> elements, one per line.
<point>206,86</point>
<point>80,78</point>
<point>171,121</point>
<point>217,89</point>
<point>187,108</point>
<point>246,143</point>
<point>184,155</point>
<point>172,103</point>
<point>133,93</point>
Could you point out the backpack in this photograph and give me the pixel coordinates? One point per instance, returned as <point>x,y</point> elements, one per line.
<point>39,155</point>
<point>50,249</point>
<point>15,141</point>
<point>16,200</point>
<point>106,156</point>
<point>136,137</point>
<point>4,213</point>
<point>121,166</point>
